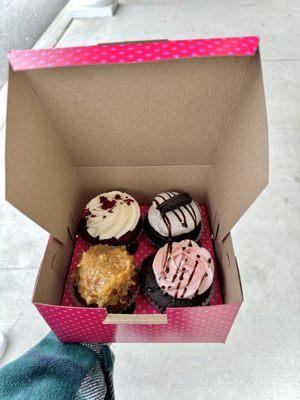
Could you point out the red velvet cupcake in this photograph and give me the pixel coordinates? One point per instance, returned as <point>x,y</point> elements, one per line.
<point>112,218</point>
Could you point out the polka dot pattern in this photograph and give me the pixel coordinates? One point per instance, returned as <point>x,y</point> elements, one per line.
<point>74,323</point>
<point>131,53</point>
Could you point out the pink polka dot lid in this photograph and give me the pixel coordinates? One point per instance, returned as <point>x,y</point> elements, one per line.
<point>142,52</point>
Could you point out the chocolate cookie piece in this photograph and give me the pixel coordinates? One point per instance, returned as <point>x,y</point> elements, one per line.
<point>174,202</point>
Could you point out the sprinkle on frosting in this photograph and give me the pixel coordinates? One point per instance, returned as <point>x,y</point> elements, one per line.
<point>182,269</point>
<point>104,275</point>
<point>112,214</point>
<point>172,214</point>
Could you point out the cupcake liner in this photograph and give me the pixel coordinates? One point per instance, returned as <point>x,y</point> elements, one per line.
<point>157,306</point>
<point>125,308</point>
<point>163,310</point>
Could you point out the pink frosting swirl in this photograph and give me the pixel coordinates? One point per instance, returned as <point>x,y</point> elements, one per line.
<point>184,269</point>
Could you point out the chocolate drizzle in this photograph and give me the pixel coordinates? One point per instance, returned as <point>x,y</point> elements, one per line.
<point>168,224</point>
<point>184,223</point>
<point>177,288</point>
<point>169,251</point>
<point>183,220</point>
<point>192,213</point>
<point>181,276</point>
<point>164,216</point>
<point>190,278</point>
<point>177,270</point>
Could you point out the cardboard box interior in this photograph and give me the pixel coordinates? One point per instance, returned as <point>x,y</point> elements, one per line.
<point>195,125</point>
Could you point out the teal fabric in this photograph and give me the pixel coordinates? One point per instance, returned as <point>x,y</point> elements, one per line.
<point>50,370</point>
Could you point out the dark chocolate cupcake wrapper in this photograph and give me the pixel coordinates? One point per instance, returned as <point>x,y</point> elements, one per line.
<point>160,300</point>
<point>159,240</point>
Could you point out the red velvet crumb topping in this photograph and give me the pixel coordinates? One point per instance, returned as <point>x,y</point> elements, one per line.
<point>128,201</point>
<point>107,204</point>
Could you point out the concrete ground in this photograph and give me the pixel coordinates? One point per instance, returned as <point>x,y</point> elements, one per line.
<point>22,22</point>
<point>261,359</point>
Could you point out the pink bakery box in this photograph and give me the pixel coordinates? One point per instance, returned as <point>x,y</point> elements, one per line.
<point>186,115</point>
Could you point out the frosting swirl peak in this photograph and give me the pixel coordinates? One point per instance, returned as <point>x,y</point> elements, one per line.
<point>112,215</point>
<point>184,269</point>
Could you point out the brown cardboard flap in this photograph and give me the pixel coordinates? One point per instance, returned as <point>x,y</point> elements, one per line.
<point>145,182</point>
<point>53,271</point>
<point>162,113</point>
<point>136,319</point>
<point>229,272</point>
<point>240,170</point>
<point>40,180</point>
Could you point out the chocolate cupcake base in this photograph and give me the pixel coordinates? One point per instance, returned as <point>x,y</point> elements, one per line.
<point>129,240</point>
<point>160,300</point>
<point>159,240</point>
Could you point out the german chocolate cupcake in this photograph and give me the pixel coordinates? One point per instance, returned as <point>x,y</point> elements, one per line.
<point>172,216</point>
<point>106,277</point>
<point>178,275</point>
<point>112,218</point>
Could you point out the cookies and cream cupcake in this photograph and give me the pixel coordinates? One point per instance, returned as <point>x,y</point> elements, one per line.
<point>112,218</point>
<point>106,277</point>
<point>178,275</point>
<point>172,216</point>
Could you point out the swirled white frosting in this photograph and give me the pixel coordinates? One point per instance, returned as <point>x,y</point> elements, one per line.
<point>111,215</point>
<point>183,220</point>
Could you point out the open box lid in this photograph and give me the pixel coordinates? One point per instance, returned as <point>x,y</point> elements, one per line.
<point>143,117</point>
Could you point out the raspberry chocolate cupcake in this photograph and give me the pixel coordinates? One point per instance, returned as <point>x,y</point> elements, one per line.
<point>178,275</point>
<point>106,277</point>
<point>112,218</point>
<point>174,217</point>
